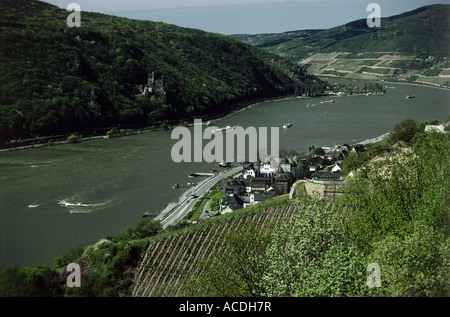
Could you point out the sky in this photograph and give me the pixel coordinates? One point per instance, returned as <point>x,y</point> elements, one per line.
<point>247,16</point>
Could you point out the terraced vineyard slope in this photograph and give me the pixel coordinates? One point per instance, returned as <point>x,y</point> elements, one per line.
<point>413,47</point>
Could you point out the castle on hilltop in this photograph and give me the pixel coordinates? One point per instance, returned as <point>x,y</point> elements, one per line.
<point>154,88</point>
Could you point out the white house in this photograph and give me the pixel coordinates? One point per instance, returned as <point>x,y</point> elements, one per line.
<point>437,128</point>
<point>249,171</point>
<point>268,168</point>
<point>336,168</point>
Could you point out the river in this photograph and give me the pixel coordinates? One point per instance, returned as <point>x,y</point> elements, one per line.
<point>58,197</point>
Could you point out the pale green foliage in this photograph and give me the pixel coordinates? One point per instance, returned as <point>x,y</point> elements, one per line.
<point>144,228</point>
<point>309,256</point>
<point>414,265</point>
<point>407,185</point>
<point>400,217</point>
<point>433,178</point>
<point>217,200</point>
<point>101,244</point>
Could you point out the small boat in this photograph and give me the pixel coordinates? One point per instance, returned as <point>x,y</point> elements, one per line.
<point>222,129</point>
<point>308,105</point>
<point>329,101</point>
<point>287,125</point>
<point>210,123</point>
<point>410,97</point>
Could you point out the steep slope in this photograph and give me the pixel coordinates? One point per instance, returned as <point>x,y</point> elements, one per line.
<point>60,79</point>
<point>169,264</point>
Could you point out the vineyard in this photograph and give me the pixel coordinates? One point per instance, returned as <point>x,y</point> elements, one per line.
<point>168,263</point>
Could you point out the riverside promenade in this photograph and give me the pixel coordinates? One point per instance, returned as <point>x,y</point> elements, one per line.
<point>374,140</point>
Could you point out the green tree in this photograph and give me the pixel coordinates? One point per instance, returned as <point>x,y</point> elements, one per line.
<point>354,161</point>
<point>13,283</point>
<point>318,151</point>
<point>309,256</point>
<point>146,227</point>
<point>217,200</point>
<point>432,166</point>
<point>69,256</point>
<point>37,281</point>
<point>414,265</point>
<point>403,131</point>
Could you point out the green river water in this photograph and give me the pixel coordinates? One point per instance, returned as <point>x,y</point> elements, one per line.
<point>58,197</point>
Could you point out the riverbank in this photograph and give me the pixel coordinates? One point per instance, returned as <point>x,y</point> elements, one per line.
<point>239,107</point>
<point>374,140</point>
<point>387,80</point>
<point>235,110</point>
<point>138,131</point>
<point>216,117</point>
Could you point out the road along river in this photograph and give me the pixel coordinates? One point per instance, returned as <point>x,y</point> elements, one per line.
<point>177,211</point>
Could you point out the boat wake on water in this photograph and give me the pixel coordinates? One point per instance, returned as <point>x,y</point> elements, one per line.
<point>80,207</point>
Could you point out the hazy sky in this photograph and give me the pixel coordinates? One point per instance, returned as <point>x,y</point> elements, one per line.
<point>247,16</point>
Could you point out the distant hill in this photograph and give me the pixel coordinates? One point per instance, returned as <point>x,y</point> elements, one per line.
<point>412,46</point>
<point>56,79</point>
<point>424,29</point>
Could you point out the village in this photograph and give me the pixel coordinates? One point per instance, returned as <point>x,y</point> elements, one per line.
<point>258,182</point>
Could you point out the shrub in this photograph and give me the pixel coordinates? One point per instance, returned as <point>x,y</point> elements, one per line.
<point>112,132</point>
<point>73,138</point>
<point>354,161</point>
<point>421,125</point>
<point>403,131</point>
<point>101,244</point>
<point>146,227</point>
<point>36,281</point>
<point>412,186</point>
<point>318,151</point>
<point>69,256</point>
<point>13,283</point>
<point>217,200</point>
<point>413,266</point>
<point>163,126</point>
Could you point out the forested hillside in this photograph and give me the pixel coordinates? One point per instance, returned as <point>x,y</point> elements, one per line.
<point>59,79</point>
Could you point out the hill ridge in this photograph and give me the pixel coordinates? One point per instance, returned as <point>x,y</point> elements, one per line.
<point>56,79</point>
<point>440,12</point>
